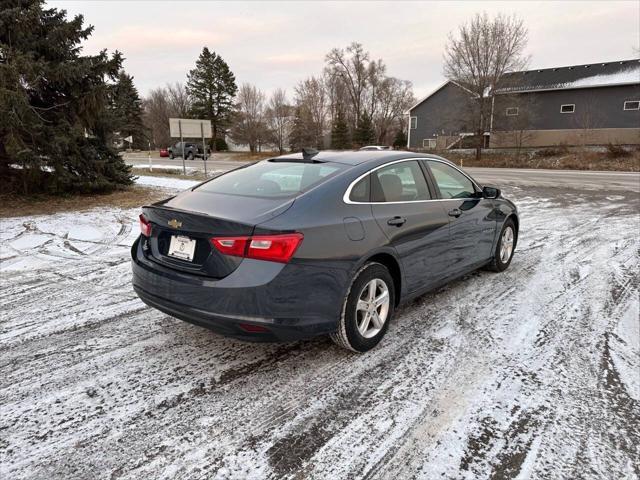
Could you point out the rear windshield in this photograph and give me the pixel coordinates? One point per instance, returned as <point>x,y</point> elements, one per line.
<point>272,179</point>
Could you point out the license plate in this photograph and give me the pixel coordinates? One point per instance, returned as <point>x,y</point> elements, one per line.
<point>182,247</point>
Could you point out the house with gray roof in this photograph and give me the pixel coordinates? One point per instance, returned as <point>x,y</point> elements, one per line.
<point>592,104</point>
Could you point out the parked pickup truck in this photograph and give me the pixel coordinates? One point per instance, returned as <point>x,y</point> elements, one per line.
<point>191,150</point>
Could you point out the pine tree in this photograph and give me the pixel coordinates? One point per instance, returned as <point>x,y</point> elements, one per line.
<point>364,133</point>
<point>340,133</point>
<point>126,107</point>
<point>301,135</point>
<point>54,102</point>
<point>400,140</point>
<point>212,87</point>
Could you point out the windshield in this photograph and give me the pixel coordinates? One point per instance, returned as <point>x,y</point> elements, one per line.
<point>272,179</point>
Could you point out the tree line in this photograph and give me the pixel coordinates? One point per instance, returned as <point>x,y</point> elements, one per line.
<point>353,102</point>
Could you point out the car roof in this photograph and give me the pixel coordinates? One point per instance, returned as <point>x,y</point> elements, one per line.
<point>358,157</point>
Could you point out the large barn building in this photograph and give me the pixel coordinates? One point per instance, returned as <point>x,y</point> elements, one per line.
<point>593,104</point>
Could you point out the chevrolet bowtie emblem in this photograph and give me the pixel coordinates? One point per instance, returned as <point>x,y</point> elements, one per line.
<point>174,223</point>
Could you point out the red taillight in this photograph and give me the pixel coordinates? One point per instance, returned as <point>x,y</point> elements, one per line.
<point>273,248</point>
<point>145,226</point>
<point>231,245</point>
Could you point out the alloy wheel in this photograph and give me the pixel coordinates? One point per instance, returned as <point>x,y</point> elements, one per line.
<point>372,309</point>
<point>506,244</point>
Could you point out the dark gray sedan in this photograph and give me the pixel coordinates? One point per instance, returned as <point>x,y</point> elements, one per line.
<point>318,243</point>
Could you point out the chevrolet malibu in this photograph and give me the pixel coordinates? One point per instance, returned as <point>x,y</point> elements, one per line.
<point>318,243</point>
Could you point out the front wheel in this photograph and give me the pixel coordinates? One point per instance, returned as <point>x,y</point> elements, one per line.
<point>367,310</point>
<point>505,247</point>
<point>190,156</point>
<point>171,155</point>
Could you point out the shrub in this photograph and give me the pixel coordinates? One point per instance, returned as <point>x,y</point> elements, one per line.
<point>561,149</point>
<point>221,145</point>
<point>616,151</point>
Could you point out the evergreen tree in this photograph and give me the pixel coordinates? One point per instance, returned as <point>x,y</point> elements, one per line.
<point>301,136</point>
<point>126,107</point>
<point>212,87</point>
<point>400,140</point>
<point>364,133</point>
<point>340,133</point>
<point>54,104</point>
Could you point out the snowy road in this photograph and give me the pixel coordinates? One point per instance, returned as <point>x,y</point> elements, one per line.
<point>532,373</point>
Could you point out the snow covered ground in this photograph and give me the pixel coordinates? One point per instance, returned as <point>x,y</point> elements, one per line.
<point>532,373</point>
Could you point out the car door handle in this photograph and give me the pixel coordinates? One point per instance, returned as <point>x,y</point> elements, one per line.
<point>456,212</point>
<point>396,221</point>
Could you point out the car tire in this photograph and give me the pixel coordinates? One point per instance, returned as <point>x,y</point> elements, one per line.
<point>190,156</point>
<point>171,156</point>
<point>505,247</point>
<point>359,328</point>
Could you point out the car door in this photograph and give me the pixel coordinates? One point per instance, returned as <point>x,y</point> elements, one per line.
<point>416,226</point>
<point>472,225</point>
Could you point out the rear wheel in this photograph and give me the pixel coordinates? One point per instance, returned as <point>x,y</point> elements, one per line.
<point>171,155</point>
<point>505,247</point>
<point>367,310</point>
<point>190,156</point>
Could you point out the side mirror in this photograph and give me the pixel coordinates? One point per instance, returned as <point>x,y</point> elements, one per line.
<point>490,192</point>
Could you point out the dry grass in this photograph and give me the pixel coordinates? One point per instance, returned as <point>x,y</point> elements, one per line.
<point>561,160</point>
<point>18,206</point>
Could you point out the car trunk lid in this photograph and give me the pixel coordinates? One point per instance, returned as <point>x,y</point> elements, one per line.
<point>199,218</point>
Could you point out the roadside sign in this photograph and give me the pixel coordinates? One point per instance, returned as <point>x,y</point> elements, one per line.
<point>189,128</point>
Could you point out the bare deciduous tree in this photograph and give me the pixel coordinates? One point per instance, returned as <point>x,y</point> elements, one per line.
<point>279,117</point>
<point>179,100</point>
<point>249,127</point>
<point>477,58</point>
<point>393,99</point>
<point>156,116</point>
<point>358,86</point>
<point>352,66</point>
<point>161,104</point>
<point>311,102</point>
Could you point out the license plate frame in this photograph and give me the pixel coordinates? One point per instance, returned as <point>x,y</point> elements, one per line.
<point>182,248</point>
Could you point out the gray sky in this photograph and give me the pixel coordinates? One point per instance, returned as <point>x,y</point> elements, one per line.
<point>276,44</point>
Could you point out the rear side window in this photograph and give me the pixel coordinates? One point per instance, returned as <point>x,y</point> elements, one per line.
<point>271,179</point>
<point>360,191</point>
<point>451,182</point>
<point>399,182</point>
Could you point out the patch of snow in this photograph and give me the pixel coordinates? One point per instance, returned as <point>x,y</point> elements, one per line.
<point>85,232</point>
<point>26,242</point>
<point>630,75</point>
<point>163,167</point>
<point>166,182</point>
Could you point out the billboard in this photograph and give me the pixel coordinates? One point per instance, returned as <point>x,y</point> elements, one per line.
<point>189,128</point>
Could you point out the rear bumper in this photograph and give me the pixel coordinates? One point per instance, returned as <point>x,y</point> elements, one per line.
<point>291,301</point>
